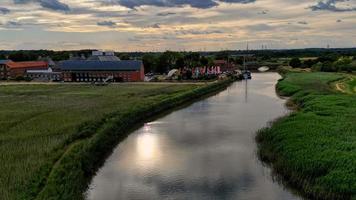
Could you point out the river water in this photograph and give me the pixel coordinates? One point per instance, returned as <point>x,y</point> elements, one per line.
<point>204,151</point>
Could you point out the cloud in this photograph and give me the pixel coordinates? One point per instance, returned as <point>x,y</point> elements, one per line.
<point>202,4</point>
<point>238,1</point>
<point>13,23</point>
<point>155,26</point>
<point>163,14</point>
<point>303,22</point>
<point>199,32</point>
<point>331,5</point>
<point>260,27</point>
<point>48,4</point>
<point>4,10</point>
<point>107,23</point>
<point>263,12</point>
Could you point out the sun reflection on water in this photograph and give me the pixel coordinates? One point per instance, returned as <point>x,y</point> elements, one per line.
<point>148,148</point>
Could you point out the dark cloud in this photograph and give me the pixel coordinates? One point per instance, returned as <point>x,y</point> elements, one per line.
<point>107,23</point>
<point>163,14</point>
<point>303,22</point>
<point>13,23</point>
<point>4,10</point>
<point>48,4</point>
<point>202,4</point>
<point>331,5</point>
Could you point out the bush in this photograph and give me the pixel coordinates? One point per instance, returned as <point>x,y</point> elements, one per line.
<point>309,63</point>
<point>295,63</point>
<point>329,67</point>
<point>19,78</point>
<point>317,67</point>
<point>28,79</point>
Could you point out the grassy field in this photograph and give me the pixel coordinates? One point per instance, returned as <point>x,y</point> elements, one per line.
<point>42,126</point>
<point>314,149</point>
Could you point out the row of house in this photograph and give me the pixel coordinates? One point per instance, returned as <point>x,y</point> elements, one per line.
<point>98,67</point>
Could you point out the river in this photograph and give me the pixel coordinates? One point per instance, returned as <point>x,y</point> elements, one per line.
<point>204,151</point>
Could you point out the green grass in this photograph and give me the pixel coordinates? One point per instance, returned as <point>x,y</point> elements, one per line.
<point>351,85</point>
<point>53,137</point>
<point>314,149</point>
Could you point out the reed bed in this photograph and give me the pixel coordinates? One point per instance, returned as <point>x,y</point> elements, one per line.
<point>53,137</point>
<point>314,148</point>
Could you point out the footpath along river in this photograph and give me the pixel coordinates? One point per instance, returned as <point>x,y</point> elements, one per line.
<point>204,151</point>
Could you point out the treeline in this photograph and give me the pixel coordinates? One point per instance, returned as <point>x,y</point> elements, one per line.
<point>327,63</point>
<point>163,62</point>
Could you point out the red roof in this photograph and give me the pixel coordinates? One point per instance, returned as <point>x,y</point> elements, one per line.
<point>28,64</point>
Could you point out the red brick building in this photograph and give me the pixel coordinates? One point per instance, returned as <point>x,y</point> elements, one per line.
<point>12,70</point>
<point>92,71</point>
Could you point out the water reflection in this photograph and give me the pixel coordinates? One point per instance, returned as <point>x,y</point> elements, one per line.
<point>148,151</point>
<point>205,151</point>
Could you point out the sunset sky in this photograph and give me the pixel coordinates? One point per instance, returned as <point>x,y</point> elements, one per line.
<point>157,25</point>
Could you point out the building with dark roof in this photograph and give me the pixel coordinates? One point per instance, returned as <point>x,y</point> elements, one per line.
<point>97,70</point>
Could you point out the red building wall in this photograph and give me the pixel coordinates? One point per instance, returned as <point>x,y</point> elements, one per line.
<point>91,76</point>
<point>18,69</point>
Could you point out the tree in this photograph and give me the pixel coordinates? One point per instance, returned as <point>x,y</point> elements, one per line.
<point>331,57</point>
<point>167,61</point>
<point>58,56</point>
<point>22,56</point>
<point>204,61</point>
<point>124,56</point>
<point>2,57</point>
<point>222,55</point>
<point>309,63</point>
<point>329,67</point>
<point>180,62</point>
<point>150,62</point>
<point>192,59</point>
<point>295,63</point>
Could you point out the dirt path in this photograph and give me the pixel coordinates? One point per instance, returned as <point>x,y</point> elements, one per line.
<point>343,86</point>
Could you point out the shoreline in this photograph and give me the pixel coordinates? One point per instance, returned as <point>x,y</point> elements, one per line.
<point>303,184</point>
<point>70,176</point>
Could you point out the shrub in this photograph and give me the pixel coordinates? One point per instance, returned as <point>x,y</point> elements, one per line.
<point>19,78</point>
<point>295,63</point>
<point>329,67</point>
<point>317,67</point>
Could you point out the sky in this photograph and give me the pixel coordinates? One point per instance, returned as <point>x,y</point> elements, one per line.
<point>183,25</point>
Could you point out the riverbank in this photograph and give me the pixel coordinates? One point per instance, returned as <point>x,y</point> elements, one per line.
<point>55,137</point>
<point>313,149</point>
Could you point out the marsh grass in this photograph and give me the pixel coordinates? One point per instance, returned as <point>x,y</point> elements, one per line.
<point>314,149</point>
<point>51,135</point>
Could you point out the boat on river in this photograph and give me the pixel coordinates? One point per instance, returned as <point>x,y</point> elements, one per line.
<point>246,74</point>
